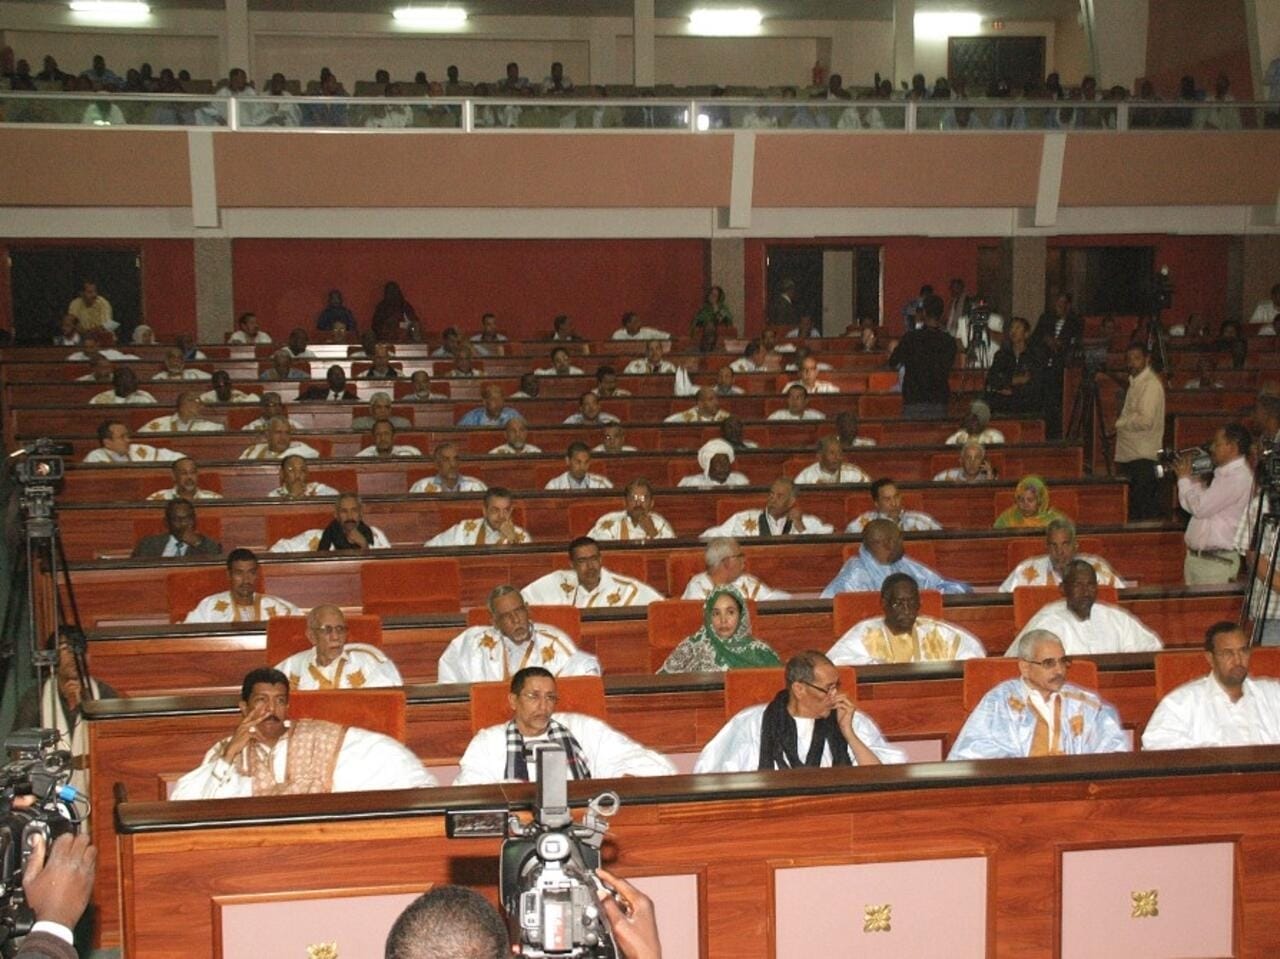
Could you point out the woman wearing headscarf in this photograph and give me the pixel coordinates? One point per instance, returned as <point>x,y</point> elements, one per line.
<point>1030,507</point>
<point>724,641</point>
<point>394,317</point>
<point>713,313</point>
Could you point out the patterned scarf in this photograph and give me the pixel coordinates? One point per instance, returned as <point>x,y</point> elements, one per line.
<point>778,739</point>
<point>517,761</point>
<point>313,756</point>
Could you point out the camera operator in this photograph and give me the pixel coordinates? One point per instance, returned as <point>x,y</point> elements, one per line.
<point>1140,432</point>
<point>57,890</point>
<point>1015,380</point>
<point>1267,416</point>
<point>1216,509</point>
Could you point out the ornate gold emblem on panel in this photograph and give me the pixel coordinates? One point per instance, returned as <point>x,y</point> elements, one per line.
<point>322,950</point>
<point>1146,903</point>
<point>877,918</point>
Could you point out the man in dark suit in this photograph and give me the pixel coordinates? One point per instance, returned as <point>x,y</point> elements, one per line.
<point>1056,339</point>
<point>335,387</point>
<point>182,539</point>
<point>782,307</point>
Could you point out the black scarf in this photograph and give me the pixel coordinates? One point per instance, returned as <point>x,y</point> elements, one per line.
<point>335,537</point>
<point>765,529</point>
<point>778,739</point>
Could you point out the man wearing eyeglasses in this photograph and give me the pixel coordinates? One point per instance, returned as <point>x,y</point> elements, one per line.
<point>1039,713</point>
<point>594,750</point>
<point>727,566</point>
<point>334,663</point>
<point>1086,626</point>
<point>811,722</point>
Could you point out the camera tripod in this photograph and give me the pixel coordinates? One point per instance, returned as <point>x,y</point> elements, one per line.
<point>1266,522</point>
<point>1086,420</point>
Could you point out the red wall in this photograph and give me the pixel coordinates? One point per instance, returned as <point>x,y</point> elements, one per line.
<point>452,282</point>
<point>168,280</point>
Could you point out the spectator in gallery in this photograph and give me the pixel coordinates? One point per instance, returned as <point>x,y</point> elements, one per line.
<point>394,318</point>
<point>335,311</point>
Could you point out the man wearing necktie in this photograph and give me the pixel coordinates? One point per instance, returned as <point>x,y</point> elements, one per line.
<point>182,538</point>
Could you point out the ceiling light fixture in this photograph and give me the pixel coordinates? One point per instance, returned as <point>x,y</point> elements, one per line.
<point>111,11</point>
<point>941,24</point>
<point>430,18</point>
<point>721,22</point>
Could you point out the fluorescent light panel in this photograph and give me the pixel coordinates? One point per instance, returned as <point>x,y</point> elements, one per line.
<point>722,22</point>
<point>431,18</point>
<point>939,24</point>
<point>111,11</point>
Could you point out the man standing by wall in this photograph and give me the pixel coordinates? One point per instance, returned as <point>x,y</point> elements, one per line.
<point>1140,432</point>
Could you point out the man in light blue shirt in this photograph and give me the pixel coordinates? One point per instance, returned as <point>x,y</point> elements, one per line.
<point>494,412</point>
<point>880,555</point>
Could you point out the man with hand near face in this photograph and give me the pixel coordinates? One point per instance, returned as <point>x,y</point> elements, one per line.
<point>781,516</point>
<point>346,531</point>
<point>637,521</point>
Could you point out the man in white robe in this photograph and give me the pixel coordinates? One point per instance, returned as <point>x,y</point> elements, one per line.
<point>830,467</point>
<point>1047,569</point>
<point>185,419</point>
<point>781,516</point>
<point>578,476</point>
<point>517,444</point>
<point>116,448</point>
<point>256,759</point>
<point>1039,713</point>
<point>651,364</point>
<point>593,749</point>
<point>797,407</point>
<point>224,392</point>
<point>588,585</point>
<point>902,635</point>
<point>826,727</point>
<point>295,482</point>
<point>494,528</point>
<point>809,368</point>
<point>727,566</point>
<point>1086,626</point>
<point>347,531</point>
<point>706,410</point>
<point>715,459</point>
<point>1226,708</point>
<point>888,505</point>
<point>334,663</point>
<point>385,445</point>
<point>488,653</point>
<point>637,522</point>
<point>975,427</point>
<point>186,483</point>
<point>279,443</point>
<point>124,391</point>
<point>448,478</point>
<point>242,603</point>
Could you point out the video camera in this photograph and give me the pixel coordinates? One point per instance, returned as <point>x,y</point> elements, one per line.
<point>546,871</point>
<point>43,465</point>
<point>35,768</point>
<point>1201,461</point>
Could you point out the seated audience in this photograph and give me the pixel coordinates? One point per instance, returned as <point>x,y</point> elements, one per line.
<point>421,391</point>
<point>488,653</point>
<point>587,584</point>
<point>450,344</point>
<point>652,363</point>
<point>254,759</point>
<point>464,366</point>
<point>186,483</point>
<point>847,426</point>
<point>180,538</point>
<point>495,527</point>
<point>638,521</point>
<point>880,555</point>
<point>346,531</point>
<point>607,383</point>
<point>976,427</point>
<point>517,444</point>
<point>613,440</point>
<point>562,329</point>
<point>901,634</point>
<point>385,445</point>
<point>175,368</point>
<point>725,385</point>
<point>379,409</point>
<point>809,378</point>
<point>715,458</point>
<point>335,311</point>
<point>184,419</point>
<point>706,410</point>
<point>247,330</point>
<point>724,641</point>
<point>888,505</point>
<point>1039,713</point>
<point>242,603</point>
<point>295,482</point>
<point>593,749</point>
<point>1267,310</point>
<point>91,309</point>
<point>334,663</point>
<point>727,566</point>
<point>114,447</point>
<point>1228,707</point>
<point>224,392</point>
<point>394,318</point>
<point>1047,569</point>
<point>752,359</point>
<point>797,407</point>
<point>493,410</point>
<point>488,331</point>
<point>1030,506</point>
<point>124,391</point>
<point>91,348</point>
<point>811,722</point>
<point>578,476</point>
<point>830,467</point>
<point>974,466</point>
<point>734,433</point>
<point>68,331</point>
<point>336,389</point>
<point>781,516</point>
<point>560,365</point>
<point>101,370</point>
<point>631,329</point>
<point>448,478</point>
<point>589,412</point>
<point>298,345</point>
<point>381,368</point>
<point>279,443</point>
<point>1086,626</point>
<point>530,388</point>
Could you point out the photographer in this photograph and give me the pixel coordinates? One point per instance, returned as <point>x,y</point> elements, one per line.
<point>1015,380</point>
<point>1216,509</point>
<point>57,890</point>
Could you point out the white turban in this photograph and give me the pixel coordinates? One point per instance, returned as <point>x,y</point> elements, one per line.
<point>710,450</point>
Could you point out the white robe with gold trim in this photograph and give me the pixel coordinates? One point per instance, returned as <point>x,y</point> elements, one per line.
<point>747,523</point>
<point>928,640</point>
<point>472,532</point>
<point>1039,571</point>
<point>618,526</point>
<point>700,587</point>
<point>360,666</point>
<point>482,654</point>
<point>308,541</point>
<point>219,608</point>
<point>1013,721</point>
<point>561,588</point>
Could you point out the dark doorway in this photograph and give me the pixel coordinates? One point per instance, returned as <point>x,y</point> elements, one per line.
<point>981,61</point>
<point>45,280</point>
<point>804,264</point>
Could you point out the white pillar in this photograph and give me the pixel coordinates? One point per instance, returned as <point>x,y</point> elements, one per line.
<point>1117,32</point>
<point>904,41</point>
<point>235,49</point>
<point>642,34</point>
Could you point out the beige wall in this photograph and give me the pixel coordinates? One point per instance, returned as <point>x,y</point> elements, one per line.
<point>745,61</point>
<point>1071,51</point>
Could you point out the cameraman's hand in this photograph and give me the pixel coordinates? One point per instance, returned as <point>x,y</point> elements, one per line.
<point>1182,466</point>
<point>58,889</point>
<point>631,917</point>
